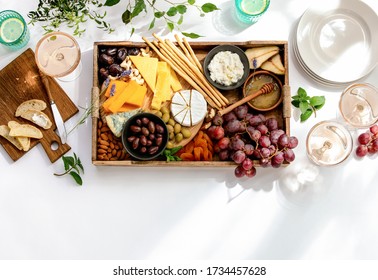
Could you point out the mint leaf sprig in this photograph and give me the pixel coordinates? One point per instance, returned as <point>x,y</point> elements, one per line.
<point>73,167</point>
<point>170,154</point>
<point>307,104</point>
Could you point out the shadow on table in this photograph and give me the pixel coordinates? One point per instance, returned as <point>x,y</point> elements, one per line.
<point>225,21</point>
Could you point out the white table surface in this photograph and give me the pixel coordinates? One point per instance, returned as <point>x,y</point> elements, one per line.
<point>189,213</point>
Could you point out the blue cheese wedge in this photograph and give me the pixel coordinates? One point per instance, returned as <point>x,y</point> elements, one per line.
<point>116,122</point>
<point>188,107</point>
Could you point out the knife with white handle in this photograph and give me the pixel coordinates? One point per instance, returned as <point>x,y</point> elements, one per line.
<point>57,116</point>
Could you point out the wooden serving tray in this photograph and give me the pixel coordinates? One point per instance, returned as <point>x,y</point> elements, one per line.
<point>20,81</point>
<point>282,112</point>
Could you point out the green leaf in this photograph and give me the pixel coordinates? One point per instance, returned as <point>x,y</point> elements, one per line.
<point>175,150</point>
<point>295,97</point>
<point>181,9</point>
<point>159,14</point>
<point>191,35</point>
<point>317,101</point>
<point>170,26</point>
<point>132,31</point>
<point>181,19</point>
<point>208,7</point>
<point>111,2</point>
<point>295,103</point>
<point>77,178</point>
<point>139,7</point>
<point>306,115</point>
<point>152,24</point>
<point>303,106</point>
<point>69,161</point>
<point>126,17</point>
<point>318,107</point>
<point>302,93</point>
<point>191,2</point>
<point>80,165</point>
<point>172,11</point>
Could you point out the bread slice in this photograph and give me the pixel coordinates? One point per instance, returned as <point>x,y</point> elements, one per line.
<point>35,104</point>
<point>24,130</point>
<point>37,117</point>
<point>4,131</point>
<point>274,64</point>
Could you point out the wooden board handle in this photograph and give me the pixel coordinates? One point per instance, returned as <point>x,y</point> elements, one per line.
<point>53,146</point>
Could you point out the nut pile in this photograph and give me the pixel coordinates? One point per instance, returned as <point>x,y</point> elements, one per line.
<point>109,147</point>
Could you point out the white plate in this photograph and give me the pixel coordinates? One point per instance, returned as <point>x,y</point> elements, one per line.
<point>311,74</point>
<point>339,42</point>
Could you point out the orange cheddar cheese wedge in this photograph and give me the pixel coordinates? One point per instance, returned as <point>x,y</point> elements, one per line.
<point>115,86</point>
<point>130,98</point>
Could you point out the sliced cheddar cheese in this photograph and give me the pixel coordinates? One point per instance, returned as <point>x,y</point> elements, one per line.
<point>175,83</point>
<point>114,87</point>
<point>188,107</point>
<point>163,87</point>
<point>133,94</point>
<point>147,67</point>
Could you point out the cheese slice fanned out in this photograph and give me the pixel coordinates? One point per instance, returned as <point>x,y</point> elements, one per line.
<point>188,107</point>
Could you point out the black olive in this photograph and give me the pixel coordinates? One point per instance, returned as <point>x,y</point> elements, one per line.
<point>133,51</point>
<point>111,51</point>
<point>115,70</point>
<point>105,59</point>
<point>121,54</point>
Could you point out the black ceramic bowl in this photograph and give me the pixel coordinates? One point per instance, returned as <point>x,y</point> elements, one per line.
<point>233,49</point>
<point>131,131</point>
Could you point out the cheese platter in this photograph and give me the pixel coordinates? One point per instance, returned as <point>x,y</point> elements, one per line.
<point>172,75</point>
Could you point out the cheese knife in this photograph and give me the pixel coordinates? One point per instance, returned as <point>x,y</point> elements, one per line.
<point>57,116</point>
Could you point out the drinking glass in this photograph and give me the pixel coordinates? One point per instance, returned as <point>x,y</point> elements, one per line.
<point>328,143</point>
<point>359,105</point>
<point>14,32</point>
<point>58,55</point>
<point>250,11</point>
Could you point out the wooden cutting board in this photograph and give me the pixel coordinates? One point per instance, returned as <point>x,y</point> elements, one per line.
<point>20,81</point>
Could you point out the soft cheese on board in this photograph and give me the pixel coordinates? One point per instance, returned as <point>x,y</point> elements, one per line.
<point>188,107</point>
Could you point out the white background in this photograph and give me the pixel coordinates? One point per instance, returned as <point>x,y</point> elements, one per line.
<point>189,213</point>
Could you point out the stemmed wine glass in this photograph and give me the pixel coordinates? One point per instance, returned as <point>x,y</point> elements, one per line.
<point>58,55</point>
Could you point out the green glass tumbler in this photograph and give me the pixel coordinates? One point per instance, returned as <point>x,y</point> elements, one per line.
<point>250,11</point>
<point>14,32</point>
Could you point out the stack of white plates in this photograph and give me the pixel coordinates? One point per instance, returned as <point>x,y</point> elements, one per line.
<point>337,44</point>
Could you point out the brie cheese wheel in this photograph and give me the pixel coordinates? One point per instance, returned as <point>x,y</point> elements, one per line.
<point>188,107</point>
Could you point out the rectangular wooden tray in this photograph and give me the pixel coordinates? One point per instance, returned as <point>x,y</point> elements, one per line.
<point>282,112</point>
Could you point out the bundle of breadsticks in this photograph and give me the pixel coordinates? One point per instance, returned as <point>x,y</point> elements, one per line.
<point>184,61</point>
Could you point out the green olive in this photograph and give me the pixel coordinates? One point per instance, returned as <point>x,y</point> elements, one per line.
<point>171,136</point>
<point>171,122</point>
<point>186,132</point>
<point>179,137</point>
<point>158,113</point>
<point>170,145</point>
<point>164,110</point>
<point>165,117</point>
<point>170,128</point>
<point>177,128</point>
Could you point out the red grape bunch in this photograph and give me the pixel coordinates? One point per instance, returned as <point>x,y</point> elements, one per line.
<point>368,142</point>
<point>244,137</point>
